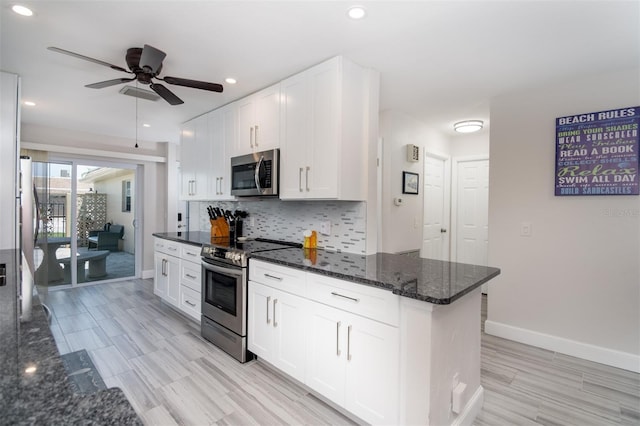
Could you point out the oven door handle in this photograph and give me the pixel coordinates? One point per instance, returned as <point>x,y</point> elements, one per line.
<point>229,271</point>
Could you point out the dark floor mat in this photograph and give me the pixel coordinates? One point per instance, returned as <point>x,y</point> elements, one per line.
<point>83,375</point>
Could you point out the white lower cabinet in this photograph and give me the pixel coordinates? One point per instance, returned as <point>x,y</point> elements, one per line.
<point>177,275</point>
<point>277,328</point>
<point>353,361</point>
<point>348,358</point>
<point>166,283</point>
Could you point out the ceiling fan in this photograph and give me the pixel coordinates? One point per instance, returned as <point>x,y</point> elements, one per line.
<point>145,64</point>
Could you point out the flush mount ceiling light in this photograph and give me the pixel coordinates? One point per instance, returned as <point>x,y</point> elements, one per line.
<point>356,12</point>
<point>22,10</point>
<point>468,126</point>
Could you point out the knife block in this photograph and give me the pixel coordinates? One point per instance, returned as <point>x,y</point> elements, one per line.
<point>219,228</point>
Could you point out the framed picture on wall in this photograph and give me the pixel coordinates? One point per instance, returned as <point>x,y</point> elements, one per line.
<point>410,183</point>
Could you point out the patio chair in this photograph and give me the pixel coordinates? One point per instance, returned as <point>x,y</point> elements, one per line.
<point>106,239</point>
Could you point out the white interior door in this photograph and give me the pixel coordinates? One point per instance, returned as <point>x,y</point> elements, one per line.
<point>470,212</point>
<point>435,235</point>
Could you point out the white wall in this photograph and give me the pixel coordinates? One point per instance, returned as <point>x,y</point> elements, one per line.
<point>469,144</point>
<point>402,225</point>
<point>574,285</point>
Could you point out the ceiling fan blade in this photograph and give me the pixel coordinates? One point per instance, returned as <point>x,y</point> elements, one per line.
<point>86,58</point>
<point>213,87</point>
<point>151,58</point>
<point>166,94</point>
<point>108,83</point>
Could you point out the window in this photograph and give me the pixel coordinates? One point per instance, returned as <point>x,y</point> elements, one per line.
<point>126,195</point>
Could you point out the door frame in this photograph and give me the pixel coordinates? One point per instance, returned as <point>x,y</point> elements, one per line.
<point>138,170</point>
<point>446,208</point>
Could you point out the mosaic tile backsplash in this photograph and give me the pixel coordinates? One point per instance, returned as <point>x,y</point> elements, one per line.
<point>287,220</point>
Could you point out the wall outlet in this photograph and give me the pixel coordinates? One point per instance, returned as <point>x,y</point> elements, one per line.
<point>325,228</point>
<point>525,229</point>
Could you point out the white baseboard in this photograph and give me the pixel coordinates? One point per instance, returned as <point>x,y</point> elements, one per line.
<point>471,410</point>
<point>149,273</point>
<point>586,351</point>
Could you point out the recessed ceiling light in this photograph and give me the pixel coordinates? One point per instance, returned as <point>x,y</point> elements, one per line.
<point>29,103</point>
<point>356,12</point>
<point>22,10</point>
<point>468,126</point>
<point>146,125</point>
<point>230,80</point>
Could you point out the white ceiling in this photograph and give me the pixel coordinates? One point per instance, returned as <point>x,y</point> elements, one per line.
<point>439,61</point>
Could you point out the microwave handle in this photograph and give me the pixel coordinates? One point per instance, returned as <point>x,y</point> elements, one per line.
<point>257,174</point>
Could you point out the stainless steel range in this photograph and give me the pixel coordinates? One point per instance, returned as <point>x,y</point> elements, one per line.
<point>224,292</point>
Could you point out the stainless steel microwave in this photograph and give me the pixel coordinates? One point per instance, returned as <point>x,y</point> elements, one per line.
<point>255,174</point>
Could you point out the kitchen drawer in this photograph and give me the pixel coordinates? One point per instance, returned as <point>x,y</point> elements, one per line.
<point>168,247</point>
<point>191,253</point>
<point>276,276</point>
<point>190,302</point>
<point>377,304</point>
<point>190,275</point>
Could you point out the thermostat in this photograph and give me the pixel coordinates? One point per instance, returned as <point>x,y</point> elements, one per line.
<point>413,153</point>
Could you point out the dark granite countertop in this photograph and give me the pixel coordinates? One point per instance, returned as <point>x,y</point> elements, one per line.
<point>428,280</point>
<point>197,238</point>
<point>44,396</point>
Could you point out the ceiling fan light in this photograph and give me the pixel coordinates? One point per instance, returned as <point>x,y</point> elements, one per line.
<point>22,10</point>
<point>468,126</point>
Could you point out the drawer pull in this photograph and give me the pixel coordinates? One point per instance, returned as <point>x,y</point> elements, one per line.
<point>333,293</point>
<point>193,277</point>
<point>173,248</point>
<point>191,254</point>
<point>193,305</point>
<point>273,277</point>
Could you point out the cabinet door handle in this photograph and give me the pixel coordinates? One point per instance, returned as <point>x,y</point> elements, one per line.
<point>275,324</point>
<point>164,262</point>
<point>221,185</point>
<point>300,179</point>
<point>193,305</point>
<point>273,277</point>
<point>268,319</point>
<point>255,137</point>
<point>307,178</point>
<point>333,293</point>
<point>251,137</point>
<point>338,338</point>
<point>349,343</point>
<point>193,277</point>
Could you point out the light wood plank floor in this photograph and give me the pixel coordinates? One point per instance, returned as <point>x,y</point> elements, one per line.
<point>172,376</point>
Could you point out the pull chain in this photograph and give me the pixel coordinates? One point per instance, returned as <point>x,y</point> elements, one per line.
<point>136,116</point>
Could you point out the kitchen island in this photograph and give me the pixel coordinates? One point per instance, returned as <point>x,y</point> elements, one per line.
<point>34,385</point>
<point>390,338</point>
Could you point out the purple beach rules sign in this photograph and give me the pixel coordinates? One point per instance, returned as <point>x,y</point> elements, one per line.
<point>597,153</point>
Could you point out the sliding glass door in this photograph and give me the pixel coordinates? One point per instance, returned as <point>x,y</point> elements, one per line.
<point>87,214</point>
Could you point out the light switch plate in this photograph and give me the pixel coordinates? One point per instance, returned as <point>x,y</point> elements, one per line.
<point>525,229</point>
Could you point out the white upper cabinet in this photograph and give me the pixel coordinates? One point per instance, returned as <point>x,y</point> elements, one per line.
<point>324,117</point>
<point>222,126</point>
<point>258,121</point>
<point>195,160</point>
